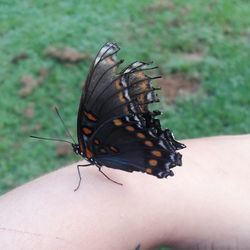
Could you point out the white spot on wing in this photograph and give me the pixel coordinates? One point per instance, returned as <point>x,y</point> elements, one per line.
<point>172,157</point>
<point>167,165</point>
<point>126,94</point>
<point>124,83</point>
<point>106,50</point>
<point>162,144</point>
<point>162,174</point>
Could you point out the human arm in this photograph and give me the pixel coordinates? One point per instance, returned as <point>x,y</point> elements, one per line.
<point>206,203</point>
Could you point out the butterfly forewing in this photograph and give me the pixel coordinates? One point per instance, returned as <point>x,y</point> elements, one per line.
<point>98,86</point>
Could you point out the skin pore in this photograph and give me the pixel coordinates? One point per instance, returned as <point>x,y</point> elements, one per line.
<point>206,205</point>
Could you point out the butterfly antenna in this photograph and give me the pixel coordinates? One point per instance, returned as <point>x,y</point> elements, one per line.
<point>49,139</point>
<point>64,125</point>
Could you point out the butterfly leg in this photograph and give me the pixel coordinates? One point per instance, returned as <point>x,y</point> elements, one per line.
<point>108,177</point>
<point>79,174</point>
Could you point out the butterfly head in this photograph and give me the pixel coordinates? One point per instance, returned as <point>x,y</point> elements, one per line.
<point>76,149</point>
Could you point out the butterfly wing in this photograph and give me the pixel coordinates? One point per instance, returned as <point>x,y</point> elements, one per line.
<point>101,84</point>
<point>115,126</point>
<point>140,85</point>
<point>123,144</point>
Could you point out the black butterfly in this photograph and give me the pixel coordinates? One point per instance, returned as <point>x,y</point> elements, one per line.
<point>115,128</point>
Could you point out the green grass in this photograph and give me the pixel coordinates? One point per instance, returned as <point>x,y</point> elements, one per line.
<point>221,29</point>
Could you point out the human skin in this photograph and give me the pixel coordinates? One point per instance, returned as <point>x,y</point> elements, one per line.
<point>206,205</point>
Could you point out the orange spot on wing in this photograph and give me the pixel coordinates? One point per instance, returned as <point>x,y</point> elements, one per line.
<point>87,131</point>
<point>148,143</point>
<point>109,60</point>
<point>140,74</point>
<point>141,98</point>
<point>153,163</point>
<point>118,84</point>
<point>156,153</point>
<point>143,85</point>
<point>81,146</point>
<point>130,128</point>
<point>90,116</point>
<point>96,141</point>
<point>126,110</point>
<point>149,170</point>
<point>114,149</point>
<point>121,97</point>
<point>140,135</point>
<point>88,153</point>
<point>117,122</point>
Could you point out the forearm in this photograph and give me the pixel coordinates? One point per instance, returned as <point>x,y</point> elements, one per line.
<point>210,197</point>
<point>205,203</point>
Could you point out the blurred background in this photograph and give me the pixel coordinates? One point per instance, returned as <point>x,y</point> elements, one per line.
<point>202,49</point>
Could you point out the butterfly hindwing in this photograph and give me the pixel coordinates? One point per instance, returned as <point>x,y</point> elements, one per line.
<point>140,85</point>
<point>123,144</point>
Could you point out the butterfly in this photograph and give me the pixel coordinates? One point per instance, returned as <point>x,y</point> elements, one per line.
<point>115,127</point>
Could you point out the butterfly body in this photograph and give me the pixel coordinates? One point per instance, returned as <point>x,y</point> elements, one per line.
<point>115,128</point>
